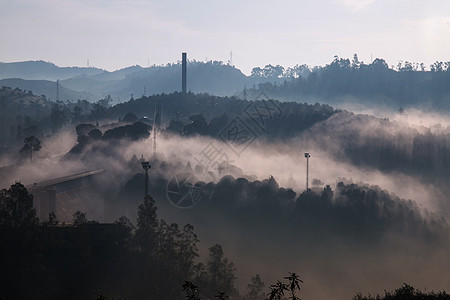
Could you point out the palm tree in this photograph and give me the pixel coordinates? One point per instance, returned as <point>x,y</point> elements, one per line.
<point>293,285</point>
<point>277,290</point>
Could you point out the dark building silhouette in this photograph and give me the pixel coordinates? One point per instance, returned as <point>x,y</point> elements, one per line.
<point>184,71</point>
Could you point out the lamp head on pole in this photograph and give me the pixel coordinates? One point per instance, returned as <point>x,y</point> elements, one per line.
<point>307,155</point>
<point>145,165</point>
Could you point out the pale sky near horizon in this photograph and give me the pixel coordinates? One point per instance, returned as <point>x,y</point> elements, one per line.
<point>114,34</point>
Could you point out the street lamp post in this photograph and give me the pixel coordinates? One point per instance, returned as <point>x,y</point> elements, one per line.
<point>146,166</point>
<point>307,156</point>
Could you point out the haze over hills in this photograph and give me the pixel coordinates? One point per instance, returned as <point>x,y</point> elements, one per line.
<point>93,84</point>
<point>240,150</point>
<point>339,83</point>
<point>46,88</point>
<point>253,202</point>
<point>42,70</point>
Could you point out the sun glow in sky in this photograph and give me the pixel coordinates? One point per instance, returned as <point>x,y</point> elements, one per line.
<point>114,34</point>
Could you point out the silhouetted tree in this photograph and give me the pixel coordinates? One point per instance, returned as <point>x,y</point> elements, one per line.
<point>198,125</point>
<point>257,72</point>
<point>100,108</point>
<point>188,251</point>
<point>83,129</point>
<point>405,292</point>
<point>79,218</point>
<point>175,126</point>
<point>95,134</point>
<point>77,114</point>
<point>220,271</point>
<point>191,290</point>
<point>31,144</point>
<point>255,289</point>
<point>130,118</point>
<point>57,116</point>
<point>293,285</point>
<point>16,207</point>
<point>137,130</point>
<point>20,257</point>
<point>147,225</point>
<point>277,290</point>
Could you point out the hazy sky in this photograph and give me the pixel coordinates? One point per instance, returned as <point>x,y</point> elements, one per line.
<point>114,34</point>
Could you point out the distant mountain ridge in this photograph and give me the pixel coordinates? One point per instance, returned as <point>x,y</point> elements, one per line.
<point>135,81</point>
<point>41,70</point>
<point>46,88</point>
<point>341,82</point>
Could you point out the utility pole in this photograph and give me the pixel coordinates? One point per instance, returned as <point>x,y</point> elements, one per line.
<point>183,72</point>
<point>57,90</point>
<point>146,166</point>
<point>307,156</point>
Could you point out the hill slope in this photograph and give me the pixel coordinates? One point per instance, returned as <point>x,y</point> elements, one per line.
<point>42,70</point>
<point>45,87</point>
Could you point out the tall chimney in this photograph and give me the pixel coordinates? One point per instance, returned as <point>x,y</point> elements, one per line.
<point>184,71</point>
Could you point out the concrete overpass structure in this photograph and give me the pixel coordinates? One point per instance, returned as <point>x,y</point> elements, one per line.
<point>67,194</point>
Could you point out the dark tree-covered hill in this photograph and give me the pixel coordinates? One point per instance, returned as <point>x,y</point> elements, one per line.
<point>374,85</point>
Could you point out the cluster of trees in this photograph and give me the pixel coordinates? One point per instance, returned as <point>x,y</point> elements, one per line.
<point>406,292</point>
<point>389,146</point>
<point>278,291</point>
<point>290,120</point>
<point>31,144</point>
<point>83,259</point>
<point>24,114</point>
<point>412,151</point>
<point>21,114</point>
<point>155,258</point>
<point>279,72</point>
<point>406,84</point>
<point>96,143</point>
<point>375,84</point>
<point>353,212</point>
<point>425,154</point>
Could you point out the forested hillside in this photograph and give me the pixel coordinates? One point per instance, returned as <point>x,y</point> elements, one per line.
<point>241,166</point>
<point>342,81</point>
<point>374,85</point>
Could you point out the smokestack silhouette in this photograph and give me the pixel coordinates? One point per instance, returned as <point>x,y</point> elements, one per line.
<point>184,71</point>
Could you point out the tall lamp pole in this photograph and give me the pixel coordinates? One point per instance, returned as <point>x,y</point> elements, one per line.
<point>307,156</point>
<point>146,166</point>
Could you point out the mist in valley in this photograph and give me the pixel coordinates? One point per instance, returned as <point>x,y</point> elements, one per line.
<point>241,150</point>
<point>364,225</point>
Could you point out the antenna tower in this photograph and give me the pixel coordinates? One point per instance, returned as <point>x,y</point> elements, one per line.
<point>183,72</point>
<point>154,133</point>
<point>57,90</point>
<point>307,156</point>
